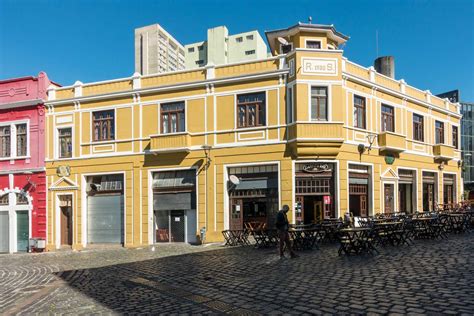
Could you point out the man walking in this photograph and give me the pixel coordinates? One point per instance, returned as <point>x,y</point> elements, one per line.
<point>282,226</point>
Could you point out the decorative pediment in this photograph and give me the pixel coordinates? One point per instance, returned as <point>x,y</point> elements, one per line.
<point>389,174</point>
<point>64,183</point>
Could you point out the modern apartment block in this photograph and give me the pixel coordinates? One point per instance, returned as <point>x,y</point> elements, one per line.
<point>467,142</point>
<point>164,157</point>
<point>221,48</point>
<point>156,51</point>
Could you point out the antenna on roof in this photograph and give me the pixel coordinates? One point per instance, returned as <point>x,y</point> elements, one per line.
<point>377,43</point>
<point>310,19</point>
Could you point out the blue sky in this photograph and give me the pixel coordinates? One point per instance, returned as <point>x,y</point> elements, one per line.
<point>92,40</point>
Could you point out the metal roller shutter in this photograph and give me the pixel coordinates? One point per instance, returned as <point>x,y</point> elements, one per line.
<point>105,218</point>
<point>173,201</point>
<point>4,232</point>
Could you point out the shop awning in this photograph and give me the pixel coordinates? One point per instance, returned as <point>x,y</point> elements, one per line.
<point>252,184</point>
<point>358,181</point>
<point>174,179</point>
<point>173,201</point>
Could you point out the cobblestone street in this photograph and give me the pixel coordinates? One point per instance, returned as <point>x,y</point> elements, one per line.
<point>429,277</point>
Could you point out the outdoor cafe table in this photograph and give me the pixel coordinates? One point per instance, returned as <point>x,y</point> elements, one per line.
<point>422,227</point>
<point>389,232</point>
<point>305,238</point>
<point>458,222</point>
<point>236,237</point>
<point>330,229</point>
<point>355,240</point>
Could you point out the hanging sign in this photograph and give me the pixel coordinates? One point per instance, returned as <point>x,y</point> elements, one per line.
<point>389,159</point>
<point>316,168</point>
<point>327,199</point>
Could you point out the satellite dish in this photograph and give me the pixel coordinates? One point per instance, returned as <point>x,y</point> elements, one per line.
<point>282,41</point>
<point>234,180</point>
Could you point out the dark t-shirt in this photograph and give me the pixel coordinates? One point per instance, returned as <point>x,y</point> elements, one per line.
<point>281,221</point>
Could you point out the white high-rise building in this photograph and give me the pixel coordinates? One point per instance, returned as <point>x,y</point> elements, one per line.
<point>156,51</point>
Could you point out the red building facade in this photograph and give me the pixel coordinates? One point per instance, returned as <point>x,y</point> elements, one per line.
<point>22,171</point>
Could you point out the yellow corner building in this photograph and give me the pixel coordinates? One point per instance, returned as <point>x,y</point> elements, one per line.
<point>182,156</point>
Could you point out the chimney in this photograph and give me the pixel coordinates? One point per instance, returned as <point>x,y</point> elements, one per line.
<point>385,65</point>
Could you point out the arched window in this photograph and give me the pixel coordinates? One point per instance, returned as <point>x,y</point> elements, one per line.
<point>4,199</point>
<point>21,199</point>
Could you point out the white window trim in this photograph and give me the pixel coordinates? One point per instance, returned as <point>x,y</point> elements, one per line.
<point>56,141</point>
<point>366,128</point>
<point>371,198</point>
<point>328,102</point>
<point>313,40</point>
<point>291,66</point>
<point>281,47</point>
<point>290,107</point>
<point>13,144</point>
<point>382,104</point>
<point>12,208</point>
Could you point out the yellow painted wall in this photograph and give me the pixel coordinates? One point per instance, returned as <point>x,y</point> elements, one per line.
<point>210,119</point>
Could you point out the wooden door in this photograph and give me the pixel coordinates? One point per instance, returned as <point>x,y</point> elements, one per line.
<point>236,216</point>
<point>300,204</point>
<point>448,194</point>
<point>318,211</point>
<point>363,205</point>
<point>388,193</point>
<point>66,225</point>
<point>430,197</point>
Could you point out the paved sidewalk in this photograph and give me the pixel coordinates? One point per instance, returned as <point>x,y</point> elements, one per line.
<point>429,277</point>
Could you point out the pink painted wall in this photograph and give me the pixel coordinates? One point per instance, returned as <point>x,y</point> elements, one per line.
<point>22,99</point>
<point>25,88</point>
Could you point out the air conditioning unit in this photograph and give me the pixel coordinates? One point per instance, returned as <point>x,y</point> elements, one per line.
<point>37,244</point>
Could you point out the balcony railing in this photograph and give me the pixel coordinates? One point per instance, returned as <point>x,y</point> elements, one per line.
<point>171,142</point>
<point>443,152</point>
<point>392,142</point>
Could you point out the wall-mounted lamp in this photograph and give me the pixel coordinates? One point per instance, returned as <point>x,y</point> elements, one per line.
<point>460,163</point>
<point>441,166</point>
<point>28,178</point>
<point>371,138</point>
<point>207,153</point>
<point>361,147</point>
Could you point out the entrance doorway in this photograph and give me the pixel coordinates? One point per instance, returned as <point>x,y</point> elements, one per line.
<point>174,206</point>
<point>65,207</point>
<point>449,190</point>
<point>4,232</point>
<point>359,185</point>
<point>358,195</point>
<point>428,197</point>
<point>22,231</point>
<point>14,222</point>
<point>407,191</point>
<point>430,184</point>
<point>312,209</point>
<point>105,209</point>
<point>389,201</point>
<point>315,191</point>
<point>405,197</point>
<point>254,200</point>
